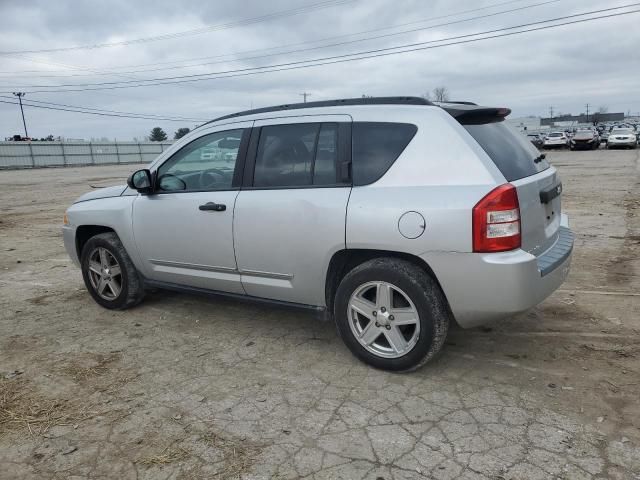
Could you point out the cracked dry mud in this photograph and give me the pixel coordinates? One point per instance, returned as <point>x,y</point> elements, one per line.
<point>187,387</point>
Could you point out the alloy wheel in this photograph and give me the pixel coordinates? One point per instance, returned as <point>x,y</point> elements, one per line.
<point>105,274</point>
<point>383,319</point>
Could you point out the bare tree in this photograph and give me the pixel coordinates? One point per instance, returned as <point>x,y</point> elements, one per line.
<point>603,109</point>
<point>441,94</point>
<point>426,96</point>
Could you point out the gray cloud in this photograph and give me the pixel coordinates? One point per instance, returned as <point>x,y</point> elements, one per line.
<point>566,67</point>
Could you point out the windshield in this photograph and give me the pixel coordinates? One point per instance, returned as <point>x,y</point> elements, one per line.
<point>511,151</point>
<point>556,134</point>
<point>621,131</point>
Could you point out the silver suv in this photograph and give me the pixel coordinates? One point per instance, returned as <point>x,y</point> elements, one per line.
<point>393,216</point>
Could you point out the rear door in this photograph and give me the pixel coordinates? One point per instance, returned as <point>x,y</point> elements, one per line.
<point>290,214</point>
<point>537,183</point>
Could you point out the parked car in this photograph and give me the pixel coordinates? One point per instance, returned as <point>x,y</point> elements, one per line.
<point>556,140</point>
<point>392,216</point>
<point>585,139</point>
<point>536,139</point>
<point>622,138</point>
<point>604,135</point>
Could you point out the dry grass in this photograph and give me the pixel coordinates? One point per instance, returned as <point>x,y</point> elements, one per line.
<point>23,409</point>
<point>90,365</point>
<point>170,454</point>
<point>239,454</point>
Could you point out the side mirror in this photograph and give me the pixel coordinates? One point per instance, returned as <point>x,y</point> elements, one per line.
<point>140,181</point>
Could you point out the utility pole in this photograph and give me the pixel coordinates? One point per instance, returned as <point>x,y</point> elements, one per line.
<point>304,95</point>
<point>587,107</point>
<point>20,95</point>
<point>551,113</point>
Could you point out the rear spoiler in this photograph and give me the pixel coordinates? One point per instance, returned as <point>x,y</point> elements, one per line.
<point>475,115</point>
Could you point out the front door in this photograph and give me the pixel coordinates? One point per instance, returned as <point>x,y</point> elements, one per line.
<point>290,214</point>
<point>184,230</point>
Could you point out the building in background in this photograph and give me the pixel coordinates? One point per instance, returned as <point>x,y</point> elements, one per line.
<point>569,120</point>
<point>525,124</point>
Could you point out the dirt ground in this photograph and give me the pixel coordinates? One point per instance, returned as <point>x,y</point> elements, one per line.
<point>188,387</point>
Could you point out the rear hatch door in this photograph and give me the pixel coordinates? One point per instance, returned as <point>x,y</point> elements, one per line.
<point>537,183</point>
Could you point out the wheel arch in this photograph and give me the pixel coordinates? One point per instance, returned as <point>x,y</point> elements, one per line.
<point>345,260</point>
<point>85,232</point>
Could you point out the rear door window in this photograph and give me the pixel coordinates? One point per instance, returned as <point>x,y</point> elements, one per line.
<point>511,151</point>
<point>376,145</point>
<point>296,155</point>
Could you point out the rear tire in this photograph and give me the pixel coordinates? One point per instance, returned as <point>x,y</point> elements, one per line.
<point>398,344</point>
<point>109,274</point>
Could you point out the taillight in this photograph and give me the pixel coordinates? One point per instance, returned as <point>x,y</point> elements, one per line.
<point>496,221</point>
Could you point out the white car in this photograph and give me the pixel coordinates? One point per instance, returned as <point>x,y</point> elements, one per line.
<point>556,140</point>
<point>622,138</point>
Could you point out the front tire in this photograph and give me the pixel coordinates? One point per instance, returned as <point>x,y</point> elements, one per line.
<point>109,274</point>
<point>391,314</point>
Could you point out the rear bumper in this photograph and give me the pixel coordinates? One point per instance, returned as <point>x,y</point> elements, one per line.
<point>69,238</point>
<point>484,287</point>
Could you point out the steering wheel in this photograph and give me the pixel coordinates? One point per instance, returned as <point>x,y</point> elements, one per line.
<point>210,177</point>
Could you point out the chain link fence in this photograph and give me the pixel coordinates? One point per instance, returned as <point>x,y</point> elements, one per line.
<point>74,154</point>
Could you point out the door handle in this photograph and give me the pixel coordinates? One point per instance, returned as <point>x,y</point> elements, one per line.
<point>216,207</point>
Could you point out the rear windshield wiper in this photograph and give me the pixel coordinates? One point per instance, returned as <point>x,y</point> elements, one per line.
<point>539,158</point>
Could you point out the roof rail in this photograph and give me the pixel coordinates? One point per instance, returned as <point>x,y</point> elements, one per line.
<point>330,103</point>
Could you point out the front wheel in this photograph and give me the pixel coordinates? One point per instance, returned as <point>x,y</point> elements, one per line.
<point>109,274</point>
<point>391,314</point>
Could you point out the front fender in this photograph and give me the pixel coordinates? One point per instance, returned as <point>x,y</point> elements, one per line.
<point>112,212</point>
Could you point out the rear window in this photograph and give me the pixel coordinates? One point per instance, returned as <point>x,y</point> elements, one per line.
<point>511,151</point>
<point>375,146</point>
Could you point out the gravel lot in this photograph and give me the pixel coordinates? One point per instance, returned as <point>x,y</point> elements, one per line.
<point>190,387</point>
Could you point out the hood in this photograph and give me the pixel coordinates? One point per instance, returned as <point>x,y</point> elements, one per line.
<point>102,193</point>
<point>584,136</point>
<point>621,135</point>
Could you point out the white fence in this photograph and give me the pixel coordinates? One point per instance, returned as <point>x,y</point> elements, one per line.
<point>62,154</point>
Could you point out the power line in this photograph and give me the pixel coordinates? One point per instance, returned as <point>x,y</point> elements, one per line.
<point>102,110</point>
<point>404,32</point>
<point>197,31</point>
<point>314,41</point>
<point>139,117</point>
<point>428,45</point>
<point>70,67</point>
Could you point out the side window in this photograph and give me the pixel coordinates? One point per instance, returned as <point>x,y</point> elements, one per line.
<point>296,155</point>
<point>376,145</point>
<point>207,163</point>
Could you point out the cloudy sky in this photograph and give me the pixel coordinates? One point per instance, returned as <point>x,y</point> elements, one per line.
<point>162,41</point>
